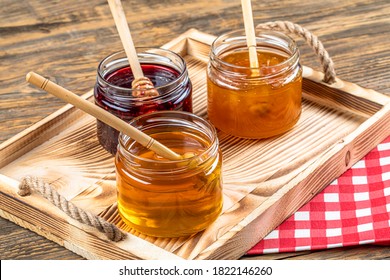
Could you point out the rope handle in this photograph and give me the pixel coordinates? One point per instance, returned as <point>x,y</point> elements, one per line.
<point>28,184</point>
<point>311,40</point>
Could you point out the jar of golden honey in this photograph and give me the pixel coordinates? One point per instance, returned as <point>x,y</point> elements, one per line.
<point>170,198</point>
<point>113,89</point>
<point>254,102</point>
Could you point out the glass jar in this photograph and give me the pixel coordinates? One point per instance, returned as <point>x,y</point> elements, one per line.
<point>113,91</point>
<point>254,102</point>
<point>170,198</point>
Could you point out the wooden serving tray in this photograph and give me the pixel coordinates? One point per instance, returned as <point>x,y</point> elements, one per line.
<point>265,181</point>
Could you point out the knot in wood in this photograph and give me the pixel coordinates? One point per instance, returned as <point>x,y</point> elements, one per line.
<point>347,158</point>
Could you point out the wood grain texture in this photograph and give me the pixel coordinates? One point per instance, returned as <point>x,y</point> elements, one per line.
<point>66,40</point>
<point>264,183</point>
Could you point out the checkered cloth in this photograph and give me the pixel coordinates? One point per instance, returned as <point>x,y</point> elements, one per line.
<point>352,210</point>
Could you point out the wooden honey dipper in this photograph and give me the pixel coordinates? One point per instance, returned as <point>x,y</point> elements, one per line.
<point>106,117</point>
<point>142,86</point>
<point>250,37</point>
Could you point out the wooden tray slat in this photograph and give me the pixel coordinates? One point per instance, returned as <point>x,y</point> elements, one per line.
<point>265,181</point>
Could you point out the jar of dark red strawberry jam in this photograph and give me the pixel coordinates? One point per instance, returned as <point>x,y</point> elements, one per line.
<point>113,90</point>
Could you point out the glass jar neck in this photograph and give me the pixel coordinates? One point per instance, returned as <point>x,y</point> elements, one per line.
<point>146,56</point>
<point>267,41</point>
<point>173,122</point>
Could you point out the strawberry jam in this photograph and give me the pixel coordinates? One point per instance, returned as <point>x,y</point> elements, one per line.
<point>113,91</point>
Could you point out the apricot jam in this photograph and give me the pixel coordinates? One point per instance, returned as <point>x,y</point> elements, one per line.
<point>254,104</point>
<point>165,198</point>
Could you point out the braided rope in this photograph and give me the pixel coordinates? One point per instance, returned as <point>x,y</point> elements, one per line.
<point>33,183</point>
<point>311,40</point>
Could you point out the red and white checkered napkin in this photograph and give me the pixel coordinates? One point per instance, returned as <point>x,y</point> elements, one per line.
<point>354,209</point>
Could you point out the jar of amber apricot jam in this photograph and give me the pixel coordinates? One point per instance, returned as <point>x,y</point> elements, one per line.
<point>113,90</point>
<point>248,102</point>
<point>170,198</point>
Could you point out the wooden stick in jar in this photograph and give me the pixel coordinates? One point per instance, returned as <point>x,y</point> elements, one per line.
<point>141,85</point>
<point>102,115</point>
<point>250,35</point>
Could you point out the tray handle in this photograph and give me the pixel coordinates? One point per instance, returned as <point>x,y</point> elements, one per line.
<point>311,40</point>
<point>32,183</point>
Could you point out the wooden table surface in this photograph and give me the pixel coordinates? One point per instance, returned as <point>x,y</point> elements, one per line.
<point>65,40</point>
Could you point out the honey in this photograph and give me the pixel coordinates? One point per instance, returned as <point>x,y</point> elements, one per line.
<point>254,103</point>
<point>164,198</point>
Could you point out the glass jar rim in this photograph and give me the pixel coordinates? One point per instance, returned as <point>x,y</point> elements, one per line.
<point>180,115</point>
<point>142,51</point>
<point>261,33</point>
